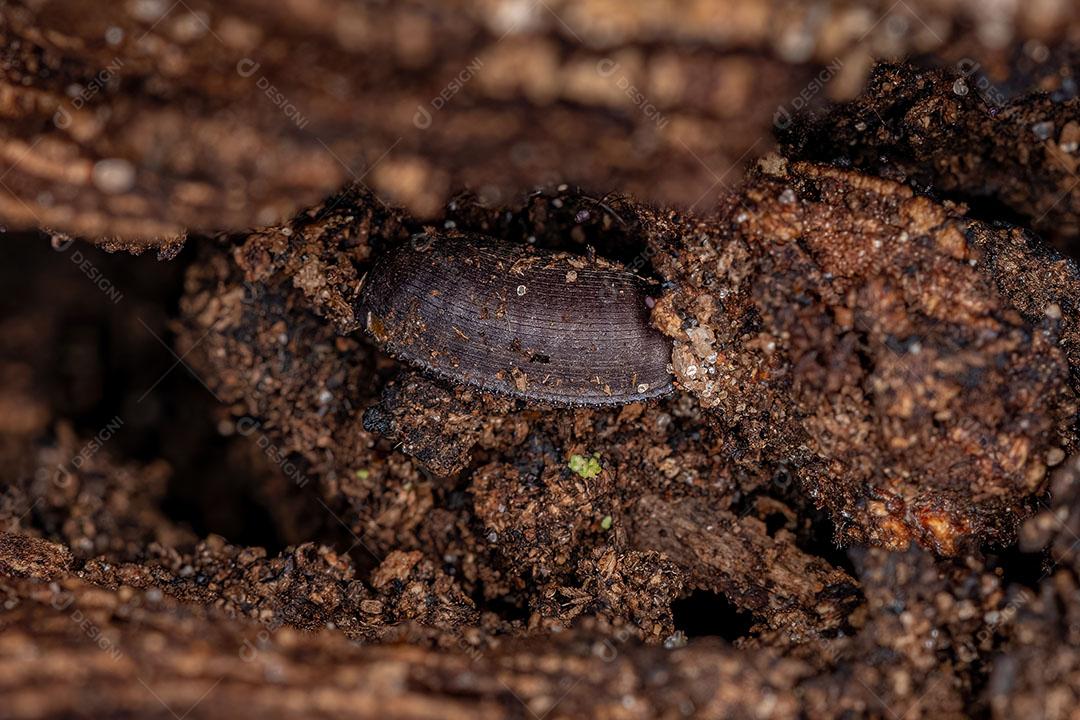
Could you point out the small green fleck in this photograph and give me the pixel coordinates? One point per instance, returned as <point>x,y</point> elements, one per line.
<point>363,474</point>
<point>606,522</point>
<point>586,467</point>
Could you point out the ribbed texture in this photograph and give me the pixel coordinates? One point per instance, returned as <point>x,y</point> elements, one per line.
<point>453,308</point>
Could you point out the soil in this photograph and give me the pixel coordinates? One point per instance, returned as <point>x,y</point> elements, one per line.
<point>220,497</point>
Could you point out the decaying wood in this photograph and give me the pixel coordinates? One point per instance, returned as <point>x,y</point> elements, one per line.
<point>67,647</point>
<point>147,120</point>
<point>736,557</point>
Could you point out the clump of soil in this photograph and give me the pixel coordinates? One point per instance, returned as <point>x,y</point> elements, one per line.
<point>606,526</point>
<point>955,134</point>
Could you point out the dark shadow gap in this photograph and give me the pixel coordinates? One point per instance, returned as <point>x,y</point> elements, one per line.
<point>708,614</point>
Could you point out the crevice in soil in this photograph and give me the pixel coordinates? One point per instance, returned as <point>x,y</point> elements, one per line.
<point>708,614</point>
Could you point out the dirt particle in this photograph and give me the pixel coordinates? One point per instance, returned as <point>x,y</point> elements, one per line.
<point>113,176</point>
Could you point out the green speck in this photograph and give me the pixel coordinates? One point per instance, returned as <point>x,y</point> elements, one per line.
<point>586,467</point>
<point>606,522</point>
<point>363,474</point>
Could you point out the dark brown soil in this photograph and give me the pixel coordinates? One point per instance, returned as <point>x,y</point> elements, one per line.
<point>220,497</point>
